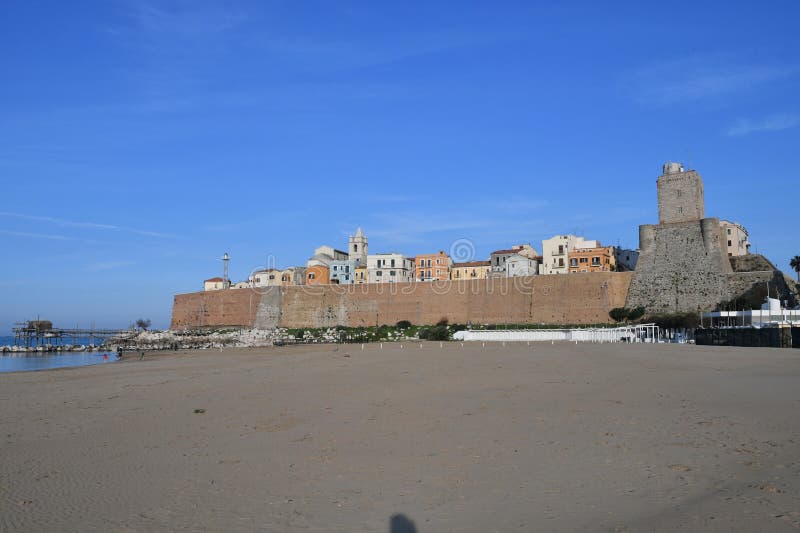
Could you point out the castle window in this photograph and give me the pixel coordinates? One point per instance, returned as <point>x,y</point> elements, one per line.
<point>355,247</point>
<point>729,243</point>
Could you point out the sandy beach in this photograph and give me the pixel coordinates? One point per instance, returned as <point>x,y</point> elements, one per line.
<point>454,438</point>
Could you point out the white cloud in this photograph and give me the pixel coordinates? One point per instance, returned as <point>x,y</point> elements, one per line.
<point>29,235</point>
<point>107,265</point>
<point>699,78</point>
<point>777,122</point>
<point>86,225</point>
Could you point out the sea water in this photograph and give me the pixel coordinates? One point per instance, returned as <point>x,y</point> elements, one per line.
<point>22,361</point>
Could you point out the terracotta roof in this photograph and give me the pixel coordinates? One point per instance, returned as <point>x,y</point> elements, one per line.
<point>215,279</point>
<point>472,264</point>
<point>506,252</point>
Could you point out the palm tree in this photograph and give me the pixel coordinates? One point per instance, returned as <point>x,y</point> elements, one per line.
<point>795,264</point>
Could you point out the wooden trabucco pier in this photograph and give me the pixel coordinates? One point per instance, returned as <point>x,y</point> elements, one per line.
<point>36,333</point>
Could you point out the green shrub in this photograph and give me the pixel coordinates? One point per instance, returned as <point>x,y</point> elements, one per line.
<point>618,314</point>
<point>636,313</point>
<point>403,324</point>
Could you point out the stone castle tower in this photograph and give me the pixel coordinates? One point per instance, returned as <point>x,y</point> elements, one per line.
<point>683,264</point>
<point>680,195</point>
<point>358,248</point>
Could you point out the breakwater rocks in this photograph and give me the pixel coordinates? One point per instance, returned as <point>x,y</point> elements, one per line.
<point>184,340</point>
<point>60,348</point>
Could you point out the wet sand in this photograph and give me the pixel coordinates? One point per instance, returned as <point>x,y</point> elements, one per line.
<point>324,438</point>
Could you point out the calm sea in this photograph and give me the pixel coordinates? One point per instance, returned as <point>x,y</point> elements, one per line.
<point>19,362</point>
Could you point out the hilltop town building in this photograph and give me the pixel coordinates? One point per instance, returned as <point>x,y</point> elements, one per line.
<point>518,265</point>
<point>430,267</point>
<point>555,252</point>
<point>215,284</point>
<point>343,272</point>
<point>389,268</point>
<point>598,259</point>
<point>498,258</point>
<point>470,270</point>
<point>317,275</point>
<point>625,259</point>
<point>324,255</point>
<point>736,238</point>
<point>360,276</point>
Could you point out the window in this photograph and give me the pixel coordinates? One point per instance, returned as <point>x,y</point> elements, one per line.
<point>584,260</point>
<point>355,247</point>
<point>595,260</point>
<point>334,268</point>
<point>437,261</point>
<point>392,263</point>
<point>729,231</point>
<point>272,276</point>
<point>561,262</point>
<point>729,242</point>
<point>391,272</point>
<point>258,280</point>
<point>573,262</point>
<point>379,273</point>
<point>311,275</point>
<point>284,278</point>
<point>561,248</point>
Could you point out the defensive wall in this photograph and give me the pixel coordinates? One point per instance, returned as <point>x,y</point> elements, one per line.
<point>584,298</point>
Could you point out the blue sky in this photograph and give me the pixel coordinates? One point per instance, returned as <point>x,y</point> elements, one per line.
<point>141,140</point>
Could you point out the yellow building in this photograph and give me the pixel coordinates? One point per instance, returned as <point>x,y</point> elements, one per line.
<point>470,270</point>
<point>360,274</point>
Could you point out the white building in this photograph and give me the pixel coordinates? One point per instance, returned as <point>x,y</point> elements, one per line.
<point>626,259</point>
<point>215,284</point>
<point>389,268</point>
<point>498,258</point>
<point>519,265</point>
<point>555,252</point>
<point>324,255</point>
<point>736,238</point>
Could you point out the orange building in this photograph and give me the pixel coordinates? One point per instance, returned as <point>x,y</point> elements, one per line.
<point>597,259</point>
<point>430,267</point>
<point>318,275</point>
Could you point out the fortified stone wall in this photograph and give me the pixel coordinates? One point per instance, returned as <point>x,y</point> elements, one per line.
<point>682,267</point>
<point>230,307</point>
<point>556,299</point>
